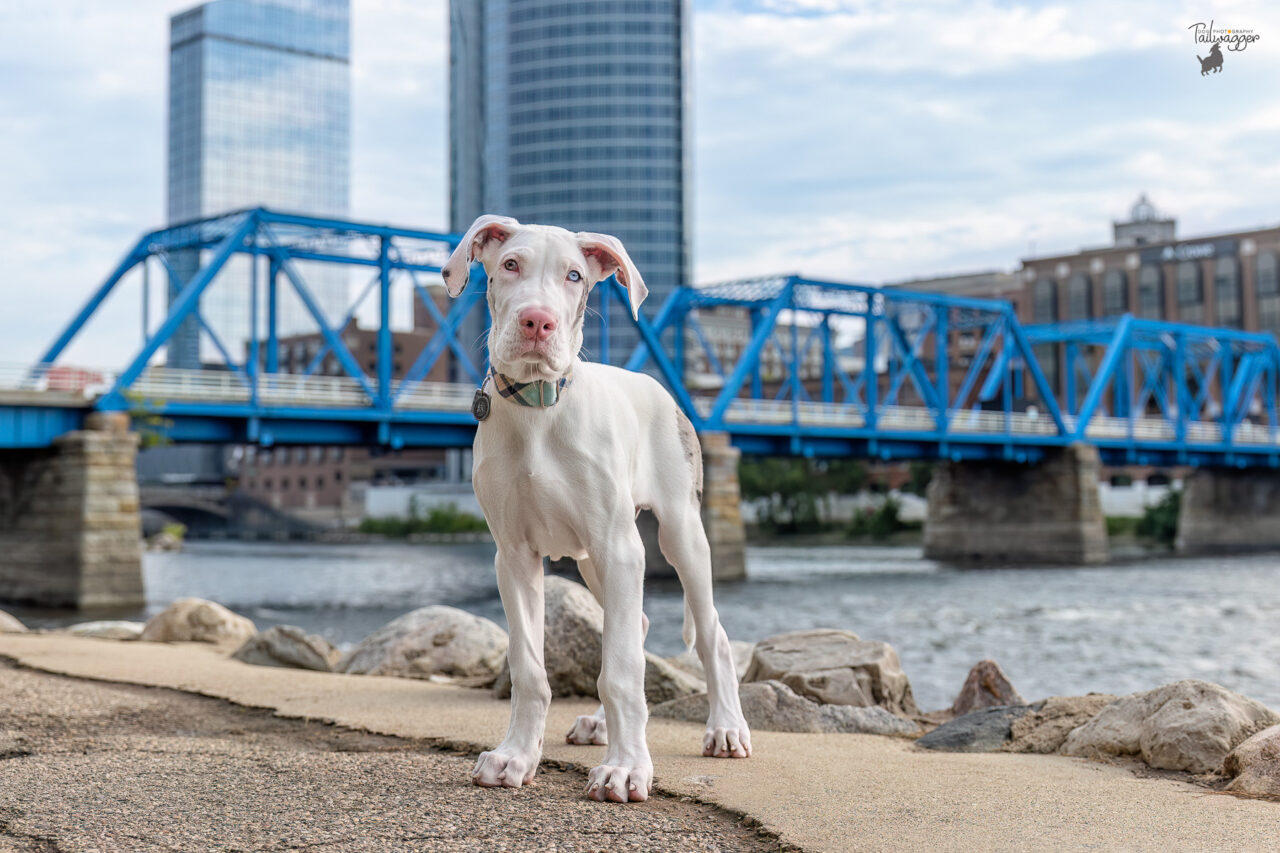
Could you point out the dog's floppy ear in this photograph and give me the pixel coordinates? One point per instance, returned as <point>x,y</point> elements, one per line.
<point>606,256</point>
<point>485,230</point>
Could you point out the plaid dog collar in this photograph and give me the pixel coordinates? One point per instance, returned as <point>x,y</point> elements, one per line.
<point>539,394</point>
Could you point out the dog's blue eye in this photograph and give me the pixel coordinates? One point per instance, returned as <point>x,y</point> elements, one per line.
<point>574,275</point>
<point>511,265</point>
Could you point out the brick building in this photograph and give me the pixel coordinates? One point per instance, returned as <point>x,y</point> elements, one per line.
<point>327,483</point>
<point>1227,279</point>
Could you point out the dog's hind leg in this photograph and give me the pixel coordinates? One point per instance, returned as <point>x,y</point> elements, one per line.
<point>591,728</point>
<point>684,543</point>
<point>515,760</point>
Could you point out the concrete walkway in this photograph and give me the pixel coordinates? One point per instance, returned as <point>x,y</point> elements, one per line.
<point>818,792</point>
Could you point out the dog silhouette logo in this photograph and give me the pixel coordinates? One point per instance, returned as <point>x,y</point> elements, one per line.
<point>1212,62</point>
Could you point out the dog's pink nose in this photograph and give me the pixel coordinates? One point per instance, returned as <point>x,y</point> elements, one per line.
<point>536,324</point>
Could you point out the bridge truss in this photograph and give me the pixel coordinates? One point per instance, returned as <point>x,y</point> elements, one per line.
<point>785,365</point>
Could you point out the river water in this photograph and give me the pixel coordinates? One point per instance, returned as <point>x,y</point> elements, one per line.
<point>1056,631</point>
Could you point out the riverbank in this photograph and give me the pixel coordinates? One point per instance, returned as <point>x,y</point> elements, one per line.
<point>817,792</point>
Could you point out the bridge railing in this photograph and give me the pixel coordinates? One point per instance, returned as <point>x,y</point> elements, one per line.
<point>785,364</point>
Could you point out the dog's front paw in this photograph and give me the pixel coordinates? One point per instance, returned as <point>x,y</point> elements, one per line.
<point>617,784</point>
<point>730,741</point>
<point>588,730</point>
<point>500,770</point>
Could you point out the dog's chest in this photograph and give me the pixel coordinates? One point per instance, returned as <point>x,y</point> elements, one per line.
<point>537,496</point>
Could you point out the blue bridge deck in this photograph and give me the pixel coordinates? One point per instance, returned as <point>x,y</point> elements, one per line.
<point>785,365</point>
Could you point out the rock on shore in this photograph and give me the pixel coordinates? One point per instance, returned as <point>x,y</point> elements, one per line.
<point>986,686</point>
<point>692,664</point>
<point>574,632</point>
<point>1187,725</point>
<point>108,630</point>
<point>1045,727</point>
<point>835,668</point>
<point>1255,764</point>
<point>289,646</point>
<point>773,706</point>
<point>431,641</point>
<point>985,730</point>
<point>197,620</point>
<point>10,624</point>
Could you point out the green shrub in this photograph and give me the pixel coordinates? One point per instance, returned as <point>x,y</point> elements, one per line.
<point>445,518</point>
<point>788,491</point>
<point>881,522</point>
<point>1121,525</point>
<point>1160,521</point>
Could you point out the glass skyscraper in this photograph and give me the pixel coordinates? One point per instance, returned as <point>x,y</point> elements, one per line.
<point>576,114</point>
<point>259,114</point>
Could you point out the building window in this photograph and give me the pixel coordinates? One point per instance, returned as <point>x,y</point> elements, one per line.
<point>302,482</point>
<point>1044,302</point>
<point>1190,293</point>
<point>1078,297</point>
<point>1226,291</point>
<point>1115,293</point>
<point>1150,293</point>
<point>266,484</point>
<point>1267,279</point>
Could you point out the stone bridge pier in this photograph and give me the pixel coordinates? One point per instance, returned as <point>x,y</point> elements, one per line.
<point>1228,509</point>
<point>70,532</point>
<point>1010,513</point>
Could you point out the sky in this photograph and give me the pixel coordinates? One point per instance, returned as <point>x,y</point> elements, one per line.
<point>854,140</point>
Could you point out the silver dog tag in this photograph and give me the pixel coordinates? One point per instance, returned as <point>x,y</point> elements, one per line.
<point>480,405</point>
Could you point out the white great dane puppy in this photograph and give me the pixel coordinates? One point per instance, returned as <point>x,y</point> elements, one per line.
<point>567,455</point>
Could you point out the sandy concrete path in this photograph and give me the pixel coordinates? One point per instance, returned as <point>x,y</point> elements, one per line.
<point>818,792</point>
<point>88,765</point>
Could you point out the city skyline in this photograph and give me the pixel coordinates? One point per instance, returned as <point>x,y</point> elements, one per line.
<point>259,114</point>
<point>962,137</point>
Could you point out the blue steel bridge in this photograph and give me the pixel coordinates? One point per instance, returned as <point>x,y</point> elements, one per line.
<point>828,368</point>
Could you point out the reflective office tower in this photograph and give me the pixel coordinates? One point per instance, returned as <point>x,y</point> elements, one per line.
<point>259,114</point>
<point>576,114</point>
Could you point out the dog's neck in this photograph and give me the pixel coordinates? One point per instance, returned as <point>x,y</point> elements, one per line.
<point>538,394</point>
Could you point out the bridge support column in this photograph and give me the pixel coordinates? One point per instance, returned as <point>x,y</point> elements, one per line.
<point>1004,512</point>
<point>1227,509</point>
<point>70,532</point>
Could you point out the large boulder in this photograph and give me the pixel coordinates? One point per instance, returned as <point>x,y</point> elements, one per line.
<point>1045,728</point>
<point>835,668</point>
<point>108,630</point>
<point>772,706</point>
<point>690,662</point>
<point>664,681</point>
<point>10,624</point>
<point>986,686</point>
<point>289,646</point>
<point>1255,764</point>
<point>573,636</point>
<point>199,621</point>
<point>987,730</point>
<point>431,641</point>
<point>1188,725</point>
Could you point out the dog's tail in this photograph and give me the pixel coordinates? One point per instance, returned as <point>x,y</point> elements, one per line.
<point>1198,57</point>
<point>688,633</point>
